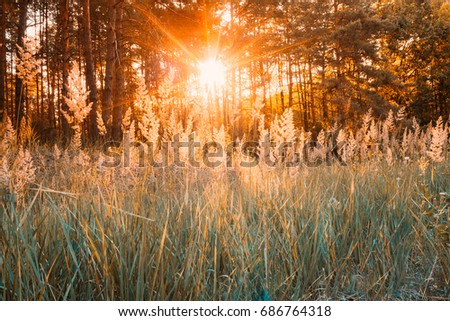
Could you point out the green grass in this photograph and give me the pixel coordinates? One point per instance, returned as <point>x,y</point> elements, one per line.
<point>361,232</point>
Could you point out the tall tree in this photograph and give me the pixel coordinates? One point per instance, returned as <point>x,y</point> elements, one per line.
<point>119,82</point>
<point>65,56</point>
<point>2,57</point>
<point>91,81</point>
<point>107,97</point>
<point>20,93</point>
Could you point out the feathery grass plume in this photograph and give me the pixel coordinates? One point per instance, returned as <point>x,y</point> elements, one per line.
<point>361,144</point>
<point>26,132</point>
<point>321,138</point>
<point>389,156</point>
<point>76,143</point>
<point>373,132</point>
<point>341,137</point>
<point>83,159</point>
<point>5,173</point>
<point>27,65</point>
<point>350,148</point>
<point>341,141</point>
<point>165,98</point>
<point>282,130</point>
<point>274,130</point>
<point>287,127</point>
<point>256,111</point>
<point>189,128</point>
<point>126,121</point>
<point>390,121</point>
<point>56,152</point>
<point>387,131</point>
<point>172,127</point>
<point>302,140</point>
<point>325,203</point>
<point>100,162</point>
<point>10,136</point>
<point>77,105</point>
<point>100,124</point>
<point>132,132</point>
<point>23,171</point>
<point>385,137</point>
<point>148,123</point>
<point>423,142</point>
<point>438,141</point>
<point>407,141</point>
<point>367,120</point>
<point>417,129</point>
<point>423,164</point>
<point>321,149</point>
<point>369,144</point>
<point>401,114</point>
<point>129,125</point>
<point>203,131</point>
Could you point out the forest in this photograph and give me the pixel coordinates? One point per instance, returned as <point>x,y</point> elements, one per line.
<point>330,61</point>
<point>224,150</point>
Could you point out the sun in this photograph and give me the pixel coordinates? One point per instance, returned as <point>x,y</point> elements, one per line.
<point>212,72</point>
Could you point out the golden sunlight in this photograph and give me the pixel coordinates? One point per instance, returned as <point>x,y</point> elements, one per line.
<point>212,72</point>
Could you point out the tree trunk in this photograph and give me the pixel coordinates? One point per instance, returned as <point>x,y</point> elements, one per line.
<point>290,83</point>
<point>91,81</point>
<point>2,58</point>
<point>311,90</point>
<point>324,90</point>
<point>50,87</point>
<point>20,92</point>
<point>107,98</point>
<point>119,85</point>
<point>65,55</point>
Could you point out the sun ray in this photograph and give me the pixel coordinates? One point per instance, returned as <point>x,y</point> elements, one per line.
<point>212,72</point>
<point>156,22</point>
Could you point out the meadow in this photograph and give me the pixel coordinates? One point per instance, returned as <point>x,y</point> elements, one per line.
<point>372,226</point>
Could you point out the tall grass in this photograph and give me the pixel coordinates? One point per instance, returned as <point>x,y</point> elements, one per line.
<point>374,225</point>
<point>365,231</point>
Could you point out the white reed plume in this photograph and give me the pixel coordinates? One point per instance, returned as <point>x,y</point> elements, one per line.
<point>27,65</point>
<point>10,136</point>
<point>23,171</point>
<point>100,124</point>
<point>438,141</point>
<point>5,173</point>
<point>76,101</point>
<point>149,122</point>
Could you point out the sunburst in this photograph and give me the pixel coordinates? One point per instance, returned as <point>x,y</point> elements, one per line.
<point>212,72</point>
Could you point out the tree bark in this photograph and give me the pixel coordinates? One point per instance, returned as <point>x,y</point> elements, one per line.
<point>91,81</point>
<point>311,90</point>
<point>65,55</point>
<point>119,85</point>
<point>20,92</point>
<point>2,58</point>
<point>290,83</point>
<point>107,98</point>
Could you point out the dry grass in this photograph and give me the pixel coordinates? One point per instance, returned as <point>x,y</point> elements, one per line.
<point>368,231</point>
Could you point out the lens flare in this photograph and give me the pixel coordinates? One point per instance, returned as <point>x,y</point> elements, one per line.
<point>212,73</point>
